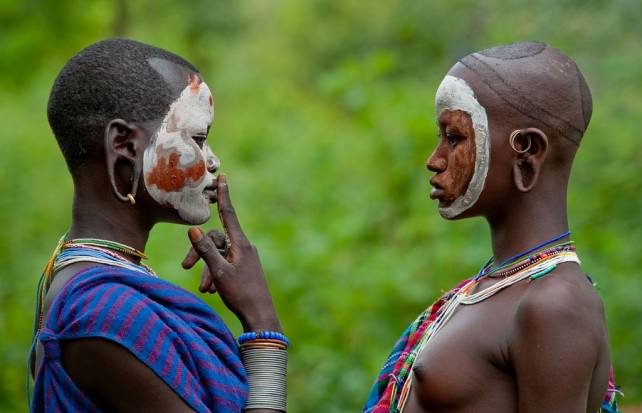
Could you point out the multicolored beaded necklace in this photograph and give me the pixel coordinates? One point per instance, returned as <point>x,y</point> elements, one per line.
<point>488,267</point>
<point>541,261</point>
<point>100,251</point>
<point>70,251</point>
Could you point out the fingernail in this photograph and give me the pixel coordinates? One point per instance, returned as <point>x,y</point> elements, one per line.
<point>222,179</point>
<point>195,234</point>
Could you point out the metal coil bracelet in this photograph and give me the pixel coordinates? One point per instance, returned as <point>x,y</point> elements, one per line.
<point>266,377</point>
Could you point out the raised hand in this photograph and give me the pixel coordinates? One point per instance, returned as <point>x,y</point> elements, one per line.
<point>220,241</point>
<point>238,276</point>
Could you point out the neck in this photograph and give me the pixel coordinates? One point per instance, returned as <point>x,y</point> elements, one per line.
<point>104,217</point>
<point>527,224</point>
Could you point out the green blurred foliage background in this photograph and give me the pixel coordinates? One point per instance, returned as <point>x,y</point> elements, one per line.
<point>324,118</point>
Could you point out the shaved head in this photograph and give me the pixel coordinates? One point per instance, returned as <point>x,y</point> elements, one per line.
<point>539,82</point>
<point>511,119</point>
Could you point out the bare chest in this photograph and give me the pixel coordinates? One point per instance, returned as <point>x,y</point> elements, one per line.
<point>466,358</point>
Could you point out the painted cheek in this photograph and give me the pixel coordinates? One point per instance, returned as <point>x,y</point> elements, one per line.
<point>458,172</point>
<point>167,176</point>
<point>463,155</point>
<point>465,162</point>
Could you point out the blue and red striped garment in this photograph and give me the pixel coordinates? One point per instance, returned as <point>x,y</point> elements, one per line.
<point>169,329</point>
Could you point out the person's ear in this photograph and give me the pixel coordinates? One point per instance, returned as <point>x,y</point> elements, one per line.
<point>531,148</point>
<point>124,147</point>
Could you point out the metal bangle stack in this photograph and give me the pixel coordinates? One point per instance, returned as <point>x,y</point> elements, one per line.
<point>266,377</point>
<point>265,358</point>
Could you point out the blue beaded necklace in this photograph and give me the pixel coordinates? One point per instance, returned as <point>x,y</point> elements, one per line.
<point>486,269</point>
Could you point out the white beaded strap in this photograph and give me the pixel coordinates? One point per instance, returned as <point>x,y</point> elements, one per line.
<point>266,377</point>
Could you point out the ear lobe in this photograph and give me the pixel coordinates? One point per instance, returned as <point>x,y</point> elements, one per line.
<point>528,162</point>
<point>124,142</point>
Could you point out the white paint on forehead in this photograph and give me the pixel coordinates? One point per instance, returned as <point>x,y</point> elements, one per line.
<point>455,94</point>
<point>191,111</point>
<point>193,105</point>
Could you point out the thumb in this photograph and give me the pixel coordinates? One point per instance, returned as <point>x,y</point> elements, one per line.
<point>205,247</point>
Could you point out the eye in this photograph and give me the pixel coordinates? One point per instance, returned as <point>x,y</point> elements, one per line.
<point>200,140</point>
<point>453,139</point>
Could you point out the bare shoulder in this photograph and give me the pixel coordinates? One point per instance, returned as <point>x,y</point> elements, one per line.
<point>558,343</point>
<point>564,300</point>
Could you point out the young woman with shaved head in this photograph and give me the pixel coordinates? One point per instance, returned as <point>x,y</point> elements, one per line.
<point>527,333</point>
<point>110,335</point>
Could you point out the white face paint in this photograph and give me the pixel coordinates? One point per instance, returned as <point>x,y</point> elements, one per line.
<point>176,169</point>
<point>455,94</point>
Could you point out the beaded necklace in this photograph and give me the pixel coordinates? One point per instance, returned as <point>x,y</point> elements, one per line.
<point>112,245</point>
<point>510,269</point>
<point>486,269</point>
<point>72,251</point>
<point>514,270</point>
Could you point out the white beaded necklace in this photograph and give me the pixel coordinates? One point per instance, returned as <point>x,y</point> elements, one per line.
<point>464,297</point>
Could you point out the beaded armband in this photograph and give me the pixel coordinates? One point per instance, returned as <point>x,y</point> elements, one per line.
<point>254,337</point>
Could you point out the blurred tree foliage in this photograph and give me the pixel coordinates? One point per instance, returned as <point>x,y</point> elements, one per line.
<point>324,118</point>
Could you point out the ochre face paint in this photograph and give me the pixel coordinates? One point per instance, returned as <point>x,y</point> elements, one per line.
<point>454,94</point>
<point>176,169</point>
<point>460,158</point>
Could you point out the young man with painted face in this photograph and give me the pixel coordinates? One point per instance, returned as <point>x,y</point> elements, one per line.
<point>132,122</point>
<point>527,334</point>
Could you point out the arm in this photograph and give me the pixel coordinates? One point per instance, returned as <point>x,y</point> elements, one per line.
<point>553,349</point>
<point>116,380</point>
<point>238,277</point>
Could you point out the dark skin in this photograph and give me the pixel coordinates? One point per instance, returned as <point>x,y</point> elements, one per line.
<point>537,346</point>
<point>457,152</point>
<point>106,372</point>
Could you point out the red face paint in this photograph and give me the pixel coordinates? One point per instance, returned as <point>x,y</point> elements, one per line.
<point>169,177</point>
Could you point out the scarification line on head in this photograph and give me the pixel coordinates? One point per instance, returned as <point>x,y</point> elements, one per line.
<point>490,73</point>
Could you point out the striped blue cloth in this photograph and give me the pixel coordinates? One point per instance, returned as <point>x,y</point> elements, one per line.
<point>169,329</point>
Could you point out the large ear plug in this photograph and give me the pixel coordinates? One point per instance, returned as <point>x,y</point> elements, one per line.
<point>116,134</point>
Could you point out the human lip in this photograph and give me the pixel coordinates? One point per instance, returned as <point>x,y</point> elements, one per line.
<point>437,191</point>
<point>210,196</point>
<point>210,192</point>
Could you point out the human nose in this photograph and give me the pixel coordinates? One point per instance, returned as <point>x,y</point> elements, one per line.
<point>436,162</point>
<point>211,160</point>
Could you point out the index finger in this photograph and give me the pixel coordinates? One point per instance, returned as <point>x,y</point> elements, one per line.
<point>227,214</point>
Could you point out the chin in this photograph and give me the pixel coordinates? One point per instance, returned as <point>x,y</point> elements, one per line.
<point>195,214</point>
<point>193,208</point>
<point>445,210</point>
<point>452,212</point>
<point>446,213</point>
